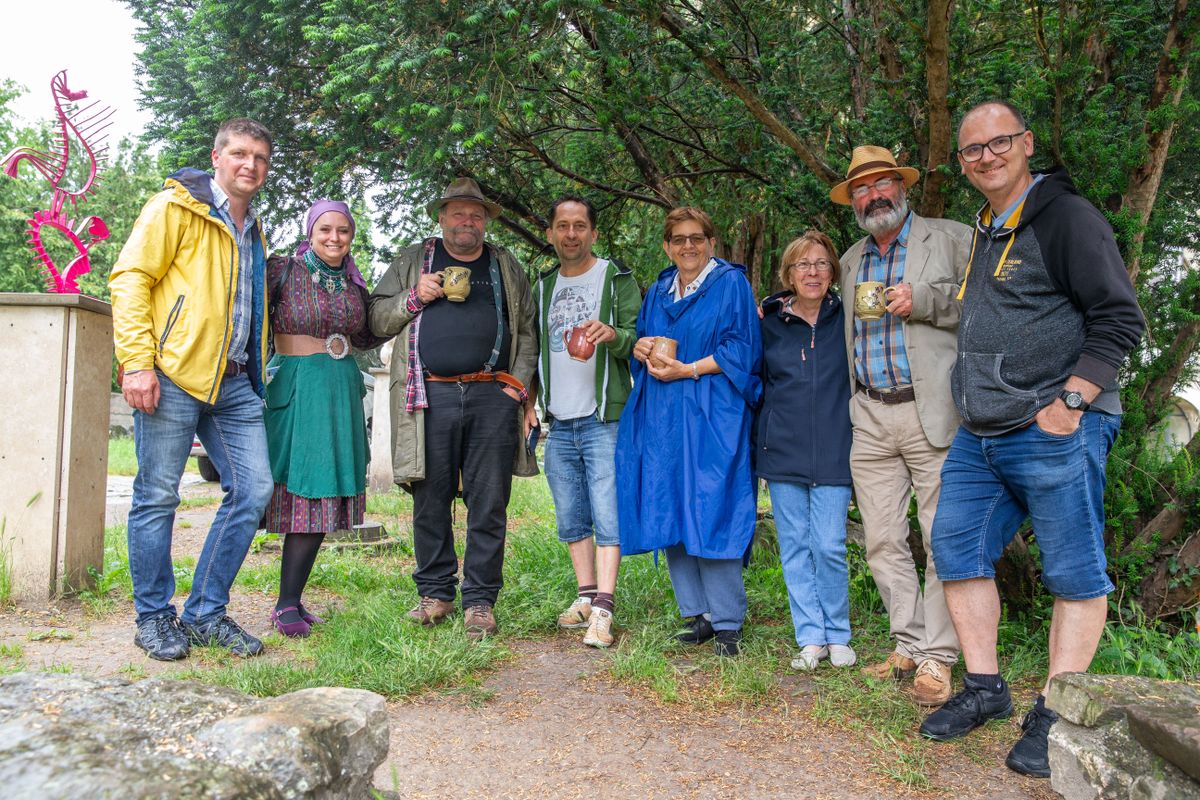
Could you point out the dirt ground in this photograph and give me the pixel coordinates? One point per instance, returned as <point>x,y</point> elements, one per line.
<point>550,724</point>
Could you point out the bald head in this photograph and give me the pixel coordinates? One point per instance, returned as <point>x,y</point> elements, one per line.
<point>994,107</point>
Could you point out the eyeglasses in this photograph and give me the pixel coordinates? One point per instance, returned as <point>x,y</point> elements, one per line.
<point>695,240</point>
<point>1000,145</point>
<point>882,185</point>
<point>821,265</point>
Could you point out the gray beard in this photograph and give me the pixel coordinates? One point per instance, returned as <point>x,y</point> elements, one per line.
<point>886,222</point>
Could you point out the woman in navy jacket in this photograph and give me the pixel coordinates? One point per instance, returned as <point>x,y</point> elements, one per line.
<point>802,441</point>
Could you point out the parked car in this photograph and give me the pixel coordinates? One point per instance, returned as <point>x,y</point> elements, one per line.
<point>208,470</point>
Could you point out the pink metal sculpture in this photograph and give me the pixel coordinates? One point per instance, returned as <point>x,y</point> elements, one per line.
<point>81,130</point>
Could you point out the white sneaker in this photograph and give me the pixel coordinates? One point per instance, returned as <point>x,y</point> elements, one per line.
<point>842,655</point>
<point>599,632</point>
<point>577,615</point>
<point>810,656</point>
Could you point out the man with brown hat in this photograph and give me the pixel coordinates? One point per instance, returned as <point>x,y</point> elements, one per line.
<point>460,368</point>
<point>902,411</point>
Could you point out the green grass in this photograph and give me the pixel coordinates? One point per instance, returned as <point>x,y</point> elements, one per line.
<point>12,658</point>
<point>122,458</point>
<point>6,575</point>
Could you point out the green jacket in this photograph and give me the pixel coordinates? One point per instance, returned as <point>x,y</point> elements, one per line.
<point>619,307</point>
<point>389,316</point>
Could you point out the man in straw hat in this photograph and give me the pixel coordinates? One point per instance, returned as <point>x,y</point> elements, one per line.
<point>902,411</point>
<point>459,372</point>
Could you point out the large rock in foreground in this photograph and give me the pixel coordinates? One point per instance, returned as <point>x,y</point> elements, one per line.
<point>1124,737</point>
<point>63,736</point>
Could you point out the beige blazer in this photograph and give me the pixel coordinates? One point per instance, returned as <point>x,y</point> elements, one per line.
<point>935,266</point>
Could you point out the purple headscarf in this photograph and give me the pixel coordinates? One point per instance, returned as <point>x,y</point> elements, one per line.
<point>314,213</point>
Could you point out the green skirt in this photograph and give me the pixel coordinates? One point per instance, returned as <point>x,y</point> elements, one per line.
<point>316,431</point>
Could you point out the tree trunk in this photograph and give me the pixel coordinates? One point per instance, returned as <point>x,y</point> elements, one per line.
<point>857,65</point>
<point>1017,575</point>
<point>1177,354</point>
<point>1175,585</point>
<point>937,82</point>
<point>1169,80</point>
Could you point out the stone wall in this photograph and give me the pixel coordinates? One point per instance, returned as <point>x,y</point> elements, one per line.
<point>120,416</point>
<point>1122,736</point>
<point>65,736</point>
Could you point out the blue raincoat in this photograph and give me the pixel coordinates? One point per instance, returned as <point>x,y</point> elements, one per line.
<point>683,447</point>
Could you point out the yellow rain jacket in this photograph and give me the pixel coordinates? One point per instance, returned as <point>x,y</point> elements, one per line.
<point>173,290</point>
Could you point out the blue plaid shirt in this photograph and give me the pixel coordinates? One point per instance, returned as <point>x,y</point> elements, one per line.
<point>243,296</point>
<point>880,360</point>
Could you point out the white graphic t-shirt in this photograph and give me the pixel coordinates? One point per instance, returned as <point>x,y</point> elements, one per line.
<point>573,383</point>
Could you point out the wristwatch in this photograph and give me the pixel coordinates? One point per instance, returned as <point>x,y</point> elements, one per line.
<point>1074,400</point>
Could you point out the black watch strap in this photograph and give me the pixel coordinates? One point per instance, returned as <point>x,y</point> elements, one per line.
<point>1074,400</point>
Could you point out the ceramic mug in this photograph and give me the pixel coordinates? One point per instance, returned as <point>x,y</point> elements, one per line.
<point>456,283</point>
<point>577,343</point>
<point>664,347</point>
<point>870,299</point>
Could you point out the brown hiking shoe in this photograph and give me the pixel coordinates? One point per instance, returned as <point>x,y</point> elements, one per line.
<point>479,621</point>
<point>931,687</point>
<point>431,611</point>
<point>894,668</point>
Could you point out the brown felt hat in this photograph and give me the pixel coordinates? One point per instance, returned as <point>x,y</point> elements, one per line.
<point>870,160</point>
<point>467,191</point>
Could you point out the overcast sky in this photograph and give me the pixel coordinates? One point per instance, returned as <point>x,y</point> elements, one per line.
<point>91,39</point>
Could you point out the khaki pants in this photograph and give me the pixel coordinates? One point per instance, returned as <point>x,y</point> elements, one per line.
<point>890,459</point>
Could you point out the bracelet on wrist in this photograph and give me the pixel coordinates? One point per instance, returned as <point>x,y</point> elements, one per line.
<point>695,373</point>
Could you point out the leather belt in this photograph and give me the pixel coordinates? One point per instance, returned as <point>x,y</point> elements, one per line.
<point>234,368</point>
<point>335,345</point>
<point>475,377</point>
<point>894,397</point>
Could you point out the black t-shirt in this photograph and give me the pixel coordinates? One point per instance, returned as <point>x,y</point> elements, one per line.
<point>457,338</point>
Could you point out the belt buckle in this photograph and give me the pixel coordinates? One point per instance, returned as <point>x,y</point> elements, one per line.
<point>337,337</point>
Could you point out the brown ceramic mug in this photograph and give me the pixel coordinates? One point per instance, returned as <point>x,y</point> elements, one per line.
<point>579,347</point>
<point>456,283</point>
<point>664,347</point>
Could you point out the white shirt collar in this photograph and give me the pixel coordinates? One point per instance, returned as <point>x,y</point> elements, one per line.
<point>691,288</point>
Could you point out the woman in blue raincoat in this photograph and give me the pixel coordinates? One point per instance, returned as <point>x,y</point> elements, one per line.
<point>684,481</point>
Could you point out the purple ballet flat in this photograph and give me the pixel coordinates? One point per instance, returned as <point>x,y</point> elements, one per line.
<point>311,619</point>
<point>294,629</point>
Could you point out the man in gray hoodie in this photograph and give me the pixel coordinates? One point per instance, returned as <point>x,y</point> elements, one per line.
<point>1048,316</point>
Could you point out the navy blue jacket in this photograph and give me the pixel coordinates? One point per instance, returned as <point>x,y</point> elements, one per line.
<point>802,433</point>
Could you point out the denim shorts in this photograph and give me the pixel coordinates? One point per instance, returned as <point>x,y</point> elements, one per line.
<point>991,484</point>
<point>581,470</point>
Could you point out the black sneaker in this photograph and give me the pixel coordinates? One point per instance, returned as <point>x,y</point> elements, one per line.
<point>1029,755</point>
<point>699,630</point>
<point>967,710</point>
<point>162,638</point>
<point>224,632</point>
<point>726,643</point>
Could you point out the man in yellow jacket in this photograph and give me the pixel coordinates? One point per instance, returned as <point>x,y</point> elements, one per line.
<point>190,322</point>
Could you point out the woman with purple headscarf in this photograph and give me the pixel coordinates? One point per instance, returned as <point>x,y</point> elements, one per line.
<point>316,431</point>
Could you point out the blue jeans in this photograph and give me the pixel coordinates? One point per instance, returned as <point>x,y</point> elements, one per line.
<point>712,586</point>
<point>991,484</point>
<point>811,521</point>
<point>581,471</point>
<point>232,432</point>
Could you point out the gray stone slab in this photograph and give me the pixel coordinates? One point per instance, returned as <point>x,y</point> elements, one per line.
<point>1108,764</point>
<point>1091,700</point>
<point>65,736</point>
<point>1172,732</point>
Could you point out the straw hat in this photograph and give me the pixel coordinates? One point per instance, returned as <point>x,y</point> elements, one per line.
<point>870,160</point>
<point>467,191</point>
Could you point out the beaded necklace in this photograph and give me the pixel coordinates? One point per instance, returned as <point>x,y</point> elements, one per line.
<point>330,279</point>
